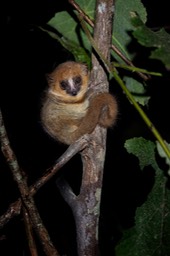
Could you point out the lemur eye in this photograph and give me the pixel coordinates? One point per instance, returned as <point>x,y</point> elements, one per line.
<point>64,84</point>
<point>77,80</point>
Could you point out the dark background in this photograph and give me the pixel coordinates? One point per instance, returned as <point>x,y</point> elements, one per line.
<point>28,55</point>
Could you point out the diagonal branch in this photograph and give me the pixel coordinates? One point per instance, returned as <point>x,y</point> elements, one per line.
<point>26,197</point>
<point>15,208</point>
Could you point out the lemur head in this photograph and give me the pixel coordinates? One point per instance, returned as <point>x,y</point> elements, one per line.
<point>69,81</point>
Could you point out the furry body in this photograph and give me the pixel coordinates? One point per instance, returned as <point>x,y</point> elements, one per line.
<point>68,111</point>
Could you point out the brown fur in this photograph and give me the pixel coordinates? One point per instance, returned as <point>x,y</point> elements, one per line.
<point>65,117</point>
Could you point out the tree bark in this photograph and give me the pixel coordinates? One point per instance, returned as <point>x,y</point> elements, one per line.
<point>86,206</point>
<point>87,211</point>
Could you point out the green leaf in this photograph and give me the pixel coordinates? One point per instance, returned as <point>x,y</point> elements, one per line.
<point>151,234</point>
<point>159,40</point>
<point>68,26</point>
<point>137,90</point>
<point>122,24</point>
<point>79,53</point>
<point>144,150</point>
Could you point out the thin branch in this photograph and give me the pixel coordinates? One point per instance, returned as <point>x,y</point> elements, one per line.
<point>26,197</point>
<point>29,233</point>
<point>113,47</point>
<point>15,208</point>
<point>72,150</point>
<point>82,13</point>
<point>66,192</point>
<point>142,114</point>
<point>115,74</point>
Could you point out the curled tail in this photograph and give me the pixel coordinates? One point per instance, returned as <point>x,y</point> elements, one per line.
<point>102,110</point>
<point>108,110</point>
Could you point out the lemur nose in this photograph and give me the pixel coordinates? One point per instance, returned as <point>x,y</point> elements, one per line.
<point>74,93</point>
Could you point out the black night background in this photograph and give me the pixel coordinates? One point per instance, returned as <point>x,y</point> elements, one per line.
<point>28,54</point>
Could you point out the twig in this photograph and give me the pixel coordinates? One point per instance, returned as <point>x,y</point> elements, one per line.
<point>72,150</point>
<point>81,12</point>
<point>115,74</point>
<point>26,197</point>
<point>15,208</point>
<point>113,47</point>
<point>29,233</point>
<point>66,192</point>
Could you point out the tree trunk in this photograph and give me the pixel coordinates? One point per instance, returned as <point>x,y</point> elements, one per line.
<point>88,205</point>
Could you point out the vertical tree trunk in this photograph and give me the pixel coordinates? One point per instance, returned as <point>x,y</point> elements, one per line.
<point>88,202</point>
<point>86,206</point>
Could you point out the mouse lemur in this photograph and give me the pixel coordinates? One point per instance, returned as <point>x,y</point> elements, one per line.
<point>68,112</point>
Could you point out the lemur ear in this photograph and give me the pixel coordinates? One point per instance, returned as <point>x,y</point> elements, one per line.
<point>85,69</point>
